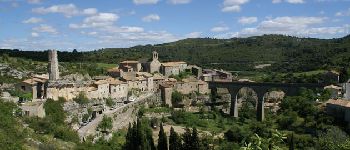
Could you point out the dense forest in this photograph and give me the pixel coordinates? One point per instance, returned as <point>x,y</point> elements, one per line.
<point>285,53</point>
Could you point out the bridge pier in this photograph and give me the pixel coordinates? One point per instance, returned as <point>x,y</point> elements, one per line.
<point>234,106</point>
<point>260,111</point>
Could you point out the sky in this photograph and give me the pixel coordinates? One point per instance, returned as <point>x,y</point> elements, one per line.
<point>94,24</point>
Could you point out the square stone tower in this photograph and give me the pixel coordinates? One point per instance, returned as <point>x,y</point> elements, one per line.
<point>53,65</point>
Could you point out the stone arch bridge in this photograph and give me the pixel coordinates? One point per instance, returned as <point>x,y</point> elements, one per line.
<point>290,89</point>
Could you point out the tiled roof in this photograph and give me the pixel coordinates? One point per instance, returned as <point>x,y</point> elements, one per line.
<point>340,102</point>
<point>129,62</point>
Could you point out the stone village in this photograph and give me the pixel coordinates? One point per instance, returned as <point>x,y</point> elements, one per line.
<point>132,84</point>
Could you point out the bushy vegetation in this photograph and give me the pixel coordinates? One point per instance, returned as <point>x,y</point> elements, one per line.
<point>106,124</point>
<point>81,99</point>
<point>11,133</point>
<point>54,122</point>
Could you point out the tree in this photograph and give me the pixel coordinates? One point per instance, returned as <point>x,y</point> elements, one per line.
<point>106,124</point>
<point>195,139</point>
<point>81,99</point>
<point>110,102</point>
<point>162,139</point>
<point>187,139</point>
<point>176,97</point>
<point>174,140</point>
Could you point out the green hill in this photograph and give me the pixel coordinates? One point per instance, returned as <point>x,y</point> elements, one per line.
<point>285,53</point>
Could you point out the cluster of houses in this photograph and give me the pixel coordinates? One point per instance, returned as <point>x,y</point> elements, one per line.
<point>122,81</point>
<point>148,77</point>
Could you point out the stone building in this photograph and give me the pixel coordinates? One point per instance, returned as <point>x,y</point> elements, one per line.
<point>195,70</point>
<point>33,109</point>
<point>172,68</point>
<point>35,85</point>
<point>339,109</point>
<point>130,66</point>
<point>154,65</point>
<point>192,85</point>
<point>117,89</point>
<point>142,81</point>
<point>216,75</point>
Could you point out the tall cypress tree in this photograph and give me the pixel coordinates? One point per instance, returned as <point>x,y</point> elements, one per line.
<point>195,139</point>
<point>162,139</point>
<point>187,139</point>
<point>174,140</point>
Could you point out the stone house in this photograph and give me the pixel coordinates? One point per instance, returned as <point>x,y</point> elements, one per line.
<point>33,109</point>
<point>339,109</point>
<point>102,88</point>
<point>130,66</point>
<point>117,88</point>
<point>142,81</point>
<point>195,70</point>
<point>172,68</point>
<point>216,75</point>
<point>190,85</point>
<point>35,85</point>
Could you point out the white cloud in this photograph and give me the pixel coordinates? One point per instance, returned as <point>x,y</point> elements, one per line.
<point>247,20</point>
<point>89,11</point>
<point>276,1</point>
<point>34,34</point>
<point>233,5</point>
<point>139,2</point>
<point>67,10</point>
<point>343,13</point>
<point>193,35</point>
<point>219,29</point>
<point>45,28</point>
<point>98,20</point>
<point>296,26</point>
<point>34,1</point>
<point>33,20</point>
<point>289,1</point>
<point>151,17</point>
<point>175,2</point>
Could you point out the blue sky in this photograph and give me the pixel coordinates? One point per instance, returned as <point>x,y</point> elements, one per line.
<point>94,24</point>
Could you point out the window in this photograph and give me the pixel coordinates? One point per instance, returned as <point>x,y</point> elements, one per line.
<point>26,113</point>
<point>23,88</point>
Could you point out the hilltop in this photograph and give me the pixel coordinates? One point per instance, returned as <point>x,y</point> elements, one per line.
<point>285,53</point>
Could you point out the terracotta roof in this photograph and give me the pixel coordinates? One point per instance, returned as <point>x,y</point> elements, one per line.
<point>165,85</point>
<point>340,102</point>
<point>30,81</point>
<point>158,76</point>
<point>129,62</point>
<point>114,81</point>
<point>189,79</point>
<point>332,87</point>
<point>146,74</point>
<point>173,64</point>
<point>129,78</point>
<point>99,82</point>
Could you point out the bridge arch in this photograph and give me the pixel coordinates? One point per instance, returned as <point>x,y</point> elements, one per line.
<point>261,89</point>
